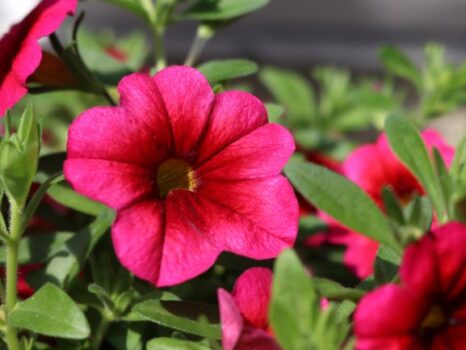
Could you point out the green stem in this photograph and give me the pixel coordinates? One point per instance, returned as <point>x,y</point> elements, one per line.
<point>161,60</point>
<point>12,271</point>
<point>203,34</point>
<point>101,331</point>
<point>195,51</point>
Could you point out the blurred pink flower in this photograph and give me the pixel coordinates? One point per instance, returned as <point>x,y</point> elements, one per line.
<point>244,312</point>
<point>20,52</point>
<point>373,167</point>
<point>427,310</point>
<point>190,174</point>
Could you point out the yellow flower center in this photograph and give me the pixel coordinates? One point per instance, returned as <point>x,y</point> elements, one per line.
<point>435,318</point>
<point>175,174</point>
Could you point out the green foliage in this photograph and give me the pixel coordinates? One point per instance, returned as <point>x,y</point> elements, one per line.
<point>50,312</point>
<point>219,71</point>
<point>337,197</point>
<point>70,258</point>
<point>295,314</point>
<point>174,344</point>
<point>194,318</point>
<point>293,92</point>
<point>408,145</point>
<point>19,155</point>
<point>441,86</point>
<point>397,63</point>
<point>223,10</point>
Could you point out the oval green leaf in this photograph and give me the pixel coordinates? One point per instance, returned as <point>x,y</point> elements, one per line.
<point>195,318</point>
<point>50,311</point>
<point>341,199</point>
<point>218,71</point>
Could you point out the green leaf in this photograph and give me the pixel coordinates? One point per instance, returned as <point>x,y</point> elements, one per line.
<point>397,63</point>
<point>218,71</point>
<point>392,206</point>
<point>291,91</point>
<point>335,291</point>
<point>292,307</point>
<point>50,311</point>
<point>221,10</point>
<point>38,196</point>
<point>275,112</point>
<point>409,147</point>
<point>386,265</point>
<point>184,316</point>
<point>445,180</point>
<point>419,213</point>
<point>133,6</point>
<point>174,344</point>
<point>70,259</point>
<point>71,199</point>
<point>340,198</point>
<point>38,248</point>
<point>19,158</point>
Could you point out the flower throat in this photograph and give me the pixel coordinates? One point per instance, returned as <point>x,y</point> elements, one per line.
<point>175,174</point>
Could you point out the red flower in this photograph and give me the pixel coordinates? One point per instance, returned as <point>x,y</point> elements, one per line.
<point>373,167</point>
<point>189,173</point>
<point>427,310</point>
<point>244,313</point>
<point>20,52</point>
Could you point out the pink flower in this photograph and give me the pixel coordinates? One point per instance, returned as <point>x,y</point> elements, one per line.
<point>373,167</point>
<point>190,174</point>
<point>427,310</point>
<point>244,313</point>
<point>20,52</point>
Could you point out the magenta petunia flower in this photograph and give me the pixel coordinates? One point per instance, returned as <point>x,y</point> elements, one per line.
<point>244,313</point>
<point>190,174</point>
<point>20,52</point>
<point>427,310</point>
<point>373,167</point>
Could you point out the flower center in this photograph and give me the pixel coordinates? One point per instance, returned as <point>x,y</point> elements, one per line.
<point>435,319</point>
<point>175,174</point>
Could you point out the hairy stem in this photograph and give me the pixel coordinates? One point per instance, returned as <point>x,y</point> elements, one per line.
<point>12,271</point>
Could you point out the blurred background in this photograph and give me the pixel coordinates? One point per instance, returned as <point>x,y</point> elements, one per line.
<point>301,33</point>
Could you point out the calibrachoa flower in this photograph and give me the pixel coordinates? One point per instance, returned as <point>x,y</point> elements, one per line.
<point>244,313</point>
<point>373,167</point>
<point>20,52</point>
<point>427,310</point>
<point>190,174</point>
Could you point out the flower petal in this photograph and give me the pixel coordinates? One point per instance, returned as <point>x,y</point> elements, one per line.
<point>231,319</point>
<point>452,338</point>
<point>261,153</point>
<point>137,236</point>
<point>251,293</point>
<point>110,133</point>
<point>112,183</point>
<point>395,342</point>
<point>188,100</point>
<point>451,261</point>
<point>419,271</point>
<point>433,139</point>
<point>21,53</point>
<point>261,207</point>
<point>198,229</point>
<point>141,98</point>
<point>189,247</point>
<point>256,339</point>
<point>234,114</point>
<point>389,311</point>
